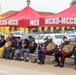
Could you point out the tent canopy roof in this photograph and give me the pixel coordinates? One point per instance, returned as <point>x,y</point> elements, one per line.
<point>27,17</point>
<point>64,18</point>
<point>26,13</point>
<point>70,12</point>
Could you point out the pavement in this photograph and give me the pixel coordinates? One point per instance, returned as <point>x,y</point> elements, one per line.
<point>14,67</point>
<point>10,70</point>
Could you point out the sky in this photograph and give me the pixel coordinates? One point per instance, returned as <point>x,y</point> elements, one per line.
<point>54,6</point>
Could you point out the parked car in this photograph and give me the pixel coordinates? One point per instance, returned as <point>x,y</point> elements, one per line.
<point>18,33</point>
<point>41,38</point>
<point>71,37</point>
<point>1,34</point>
<point>27,35</point>
<point>57,38</point>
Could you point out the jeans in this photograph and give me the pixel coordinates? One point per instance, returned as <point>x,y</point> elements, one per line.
<point>24,51</point>
<point>40,54</point>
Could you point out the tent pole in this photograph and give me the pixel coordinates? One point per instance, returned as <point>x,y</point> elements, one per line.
<point>30,30</point>
<point>38,42</point>
<point>23,30</point>
<point>61,36</point>
<point>38,35</point>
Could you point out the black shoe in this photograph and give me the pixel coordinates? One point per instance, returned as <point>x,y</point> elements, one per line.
<point>75,68</point>
<point>7,57</point>
<point>41,63</point>
<point>15,58</point>
<point>20,59</point>
<point>26,60</point>
<point>11,59</point>
<point>56,65</point>
<point>2,57</point>
<point>61,66</point>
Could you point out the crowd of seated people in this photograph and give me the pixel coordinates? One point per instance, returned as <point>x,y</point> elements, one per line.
<point>63,51</point>
<point>14,48</point>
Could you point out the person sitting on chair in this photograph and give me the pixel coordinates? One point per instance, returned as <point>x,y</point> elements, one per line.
<point>13,40</point>
<point>25,45</point>
<point>47,49</point>
<point>31,48</point>
<point>66,51</point>
<point>2,41</point>
<point>58,49</point>
<point>7,49</point>
<point>18,45</point>
<point>63,43</point>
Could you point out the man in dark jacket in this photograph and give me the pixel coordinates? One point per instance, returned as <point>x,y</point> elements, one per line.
<point>2,41</point>
<point>17,46</point>
<point>25,45</point>
<point>31,48</point>
<point>13,47</point>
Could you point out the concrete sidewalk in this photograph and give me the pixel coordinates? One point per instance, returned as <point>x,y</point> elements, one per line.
<point>10,70</point>
<point>13,67</point>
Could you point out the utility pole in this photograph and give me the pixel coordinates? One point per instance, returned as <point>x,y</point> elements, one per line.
<point>28,2</point>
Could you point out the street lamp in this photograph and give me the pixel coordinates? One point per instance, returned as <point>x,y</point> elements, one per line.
<point>28,2</point>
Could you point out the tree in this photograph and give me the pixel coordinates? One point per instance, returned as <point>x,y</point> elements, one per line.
<point>57,30</point>
<point>35,30</point>
<point>70,29</point>
<point>73,2</point>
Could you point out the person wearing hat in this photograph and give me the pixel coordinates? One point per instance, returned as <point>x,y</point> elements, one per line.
<point>46,50</point>
<point>7,48</point>
<point>31,48</point>
<point>25,44</point>
<point>66,51</point>
<point>58,49</point>
<point>63,43</point>
<point>17,47</point>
